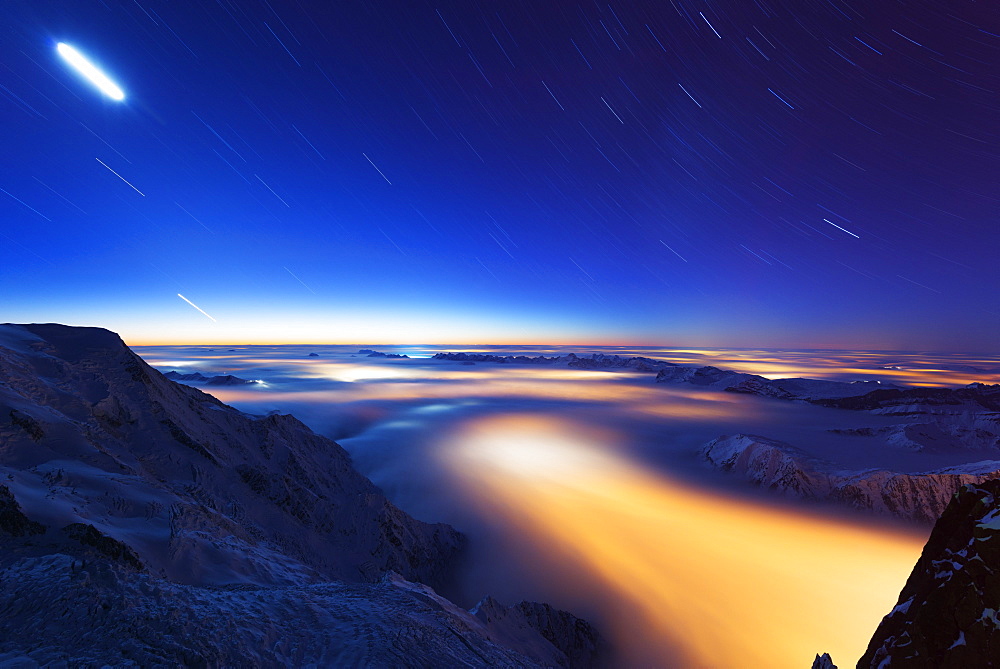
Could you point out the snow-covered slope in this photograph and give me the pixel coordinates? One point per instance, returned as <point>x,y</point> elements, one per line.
<point>57,609</point>
<point>947,613</point>
<point>201,492</point>
<point>786,470</point>
<point>144,522</point>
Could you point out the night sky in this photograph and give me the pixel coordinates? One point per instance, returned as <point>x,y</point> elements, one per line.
<point>803,174</point>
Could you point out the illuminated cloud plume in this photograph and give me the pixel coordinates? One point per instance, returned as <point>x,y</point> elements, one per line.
<point>90,71</point>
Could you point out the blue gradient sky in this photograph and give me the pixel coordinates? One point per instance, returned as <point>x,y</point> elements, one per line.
<point>648,173</point>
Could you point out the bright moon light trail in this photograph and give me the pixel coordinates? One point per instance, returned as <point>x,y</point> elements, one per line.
<point>90,71</point>
<point>196,307</point>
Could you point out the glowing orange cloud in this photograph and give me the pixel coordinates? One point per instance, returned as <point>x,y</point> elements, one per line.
<point>708,581</point>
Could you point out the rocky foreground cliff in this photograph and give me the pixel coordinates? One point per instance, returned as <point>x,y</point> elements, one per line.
<point>143,521</point>
<point>947,613</point>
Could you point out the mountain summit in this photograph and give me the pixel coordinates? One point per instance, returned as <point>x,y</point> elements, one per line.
<point>143,521</point>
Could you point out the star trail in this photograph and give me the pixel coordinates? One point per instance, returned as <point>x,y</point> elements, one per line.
<point>811,174</point>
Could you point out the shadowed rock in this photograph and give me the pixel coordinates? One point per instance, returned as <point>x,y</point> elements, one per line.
<point>947,613</point>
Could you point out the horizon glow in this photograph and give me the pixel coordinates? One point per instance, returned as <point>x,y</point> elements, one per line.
<point>90,72</point>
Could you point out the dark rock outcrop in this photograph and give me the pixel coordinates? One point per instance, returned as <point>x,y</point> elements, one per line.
<point>823,662</point>
<point>947,613</point>
<point>104,545</point>
<point>530,624</point>
<point>13,522</point>
<point>215,380</point>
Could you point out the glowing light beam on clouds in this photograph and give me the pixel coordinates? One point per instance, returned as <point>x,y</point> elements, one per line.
<point>90,72</point>
<point>709,581</point>
<point>196,307</point>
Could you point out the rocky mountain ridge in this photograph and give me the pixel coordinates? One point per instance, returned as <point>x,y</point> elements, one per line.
<point>807,390</point>
<point>786,470</point>
<point>950,421</point>
<point>947,613</point>
<point>131,504</point>
<point>187,481</point>
<point>213,380</point>
<point>593,361</point>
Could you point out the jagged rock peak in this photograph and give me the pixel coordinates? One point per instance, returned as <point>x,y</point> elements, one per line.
<point>823,662</point>
<point>594,361</point>
<point>947,613</point>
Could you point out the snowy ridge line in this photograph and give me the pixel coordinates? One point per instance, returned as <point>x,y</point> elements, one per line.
<point>787,471</point>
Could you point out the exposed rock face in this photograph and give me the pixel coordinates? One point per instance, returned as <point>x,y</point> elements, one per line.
<point>823,662</point>
<point>920,496</point>
<point>145,523</point>
<point>103,545</point>
<point>786,470</point>
<point>201,492</point>
<point>946,616</point>
<point>537,626</point>
<point>57,610</point>
<point>770,464</point>
<point>13,522</point>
